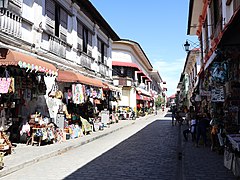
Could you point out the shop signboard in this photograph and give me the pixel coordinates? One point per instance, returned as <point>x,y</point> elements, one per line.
<point>105,116</point>
<point>218,95</point>
<point>205,93</point>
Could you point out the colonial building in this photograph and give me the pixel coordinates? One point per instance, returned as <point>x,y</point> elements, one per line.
<point>49,45</point>
<point>189,79</point>
<point>216,24</point>
<point>70,35</point>
<point>133,72</point>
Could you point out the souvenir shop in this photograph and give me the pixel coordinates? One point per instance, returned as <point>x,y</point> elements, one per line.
<point>22,102</point>
<point>219,90</point>
<point>112,95</point>
<point>144,102</point>
<point>84,99</point>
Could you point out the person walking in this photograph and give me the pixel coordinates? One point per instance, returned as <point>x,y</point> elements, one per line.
<point>201,129</point>
<point>191,129</point>
<point>174,109</point>
<point>179,118</point>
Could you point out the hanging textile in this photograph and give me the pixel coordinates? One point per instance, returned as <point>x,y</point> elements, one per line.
<point>77,93</point>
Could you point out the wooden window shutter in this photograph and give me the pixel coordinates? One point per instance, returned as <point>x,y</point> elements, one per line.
<point>99,45</point>
<point>50,16</point>
<point>63,24</point>
<point>105,50</point>
<point>79,36</point>
<point>79,29</point>
<point>212,17</point>
<point>85,39</point>
<point>89,38</point>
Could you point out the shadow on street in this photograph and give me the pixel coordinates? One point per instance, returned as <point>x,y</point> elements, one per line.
<point>149,154</point>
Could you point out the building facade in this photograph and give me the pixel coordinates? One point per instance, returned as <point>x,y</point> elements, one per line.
<point>133,72</point>
<point>216,24</point>
<point>49,45</point>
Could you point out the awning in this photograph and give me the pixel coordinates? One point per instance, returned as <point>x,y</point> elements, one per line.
<point>143,92</point>
<point>230,33</point>
<point>111,87</point>
<point>73,77</point>
<point>125,64</point>
<point>210,60</point>
<point>13,58</point>
<point>143,98</point>
<point>145,76</point>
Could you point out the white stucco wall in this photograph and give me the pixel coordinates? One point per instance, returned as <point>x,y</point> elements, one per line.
<point>125,53</point>
<point>125,98</point>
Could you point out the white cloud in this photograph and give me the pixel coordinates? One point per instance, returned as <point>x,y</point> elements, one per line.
<point>170,72</point>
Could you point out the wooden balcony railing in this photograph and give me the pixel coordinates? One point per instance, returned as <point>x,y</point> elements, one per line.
<point>57,46</point>
<point>86,60</point>
<point>10,23</point>
<point>103,69</point>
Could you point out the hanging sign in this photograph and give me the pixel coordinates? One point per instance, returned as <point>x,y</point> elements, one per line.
<point>218,95</point>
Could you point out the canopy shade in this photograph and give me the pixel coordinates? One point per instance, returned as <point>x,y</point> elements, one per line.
<point>73,77</point>
<point>111,87</point>
<point>13,58</point>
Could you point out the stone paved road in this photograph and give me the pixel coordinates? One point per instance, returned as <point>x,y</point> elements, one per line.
<point>147,150</point>
<point>149,154</point>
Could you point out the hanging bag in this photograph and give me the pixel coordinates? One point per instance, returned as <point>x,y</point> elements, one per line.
<point>52,92</point>
<point>5,82</point>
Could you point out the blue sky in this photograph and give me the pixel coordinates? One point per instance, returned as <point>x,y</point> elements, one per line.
<point>159,26</point>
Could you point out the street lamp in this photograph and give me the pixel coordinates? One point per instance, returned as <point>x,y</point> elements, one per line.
<point>191,45</point>
<point>3,6</point>
<point>186,46</point>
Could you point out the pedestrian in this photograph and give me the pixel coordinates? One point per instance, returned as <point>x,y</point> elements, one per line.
<point>201,128</point>
<point>178,118</point>
<point>173,114</point>
<point>187,116</point>
<point>191,129</point>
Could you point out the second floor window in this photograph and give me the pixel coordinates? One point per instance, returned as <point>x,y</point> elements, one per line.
<point>84,37</point>
<point>102,48</point>
<point>56,20</point>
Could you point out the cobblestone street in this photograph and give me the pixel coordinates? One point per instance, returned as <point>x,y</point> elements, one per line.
<point>149,154</point>
<point>147,149</point>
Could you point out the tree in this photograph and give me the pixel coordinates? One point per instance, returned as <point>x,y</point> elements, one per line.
<point>159,101</point>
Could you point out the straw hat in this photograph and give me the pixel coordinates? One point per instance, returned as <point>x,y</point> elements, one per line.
<point>59,94</point>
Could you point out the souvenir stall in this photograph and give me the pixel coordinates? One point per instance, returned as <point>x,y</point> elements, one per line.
<point>220,88</point>
<point>232,116</point>
<point>80,94</point>
<point>112,95</point>
<point>22,90</point>
<point>212,100</point>
<point>143,103</point>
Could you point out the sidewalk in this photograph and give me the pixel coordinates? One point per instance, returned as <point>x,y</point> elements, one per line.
<point>24,155</point>
<point>201,163</point>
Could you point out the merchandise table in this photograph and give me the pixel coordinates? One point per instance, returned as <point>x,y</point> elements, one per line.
<point>235,141</point>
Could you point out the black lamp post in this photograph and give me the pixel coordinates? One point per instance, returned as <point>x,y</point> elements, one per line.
<point>3,6</point>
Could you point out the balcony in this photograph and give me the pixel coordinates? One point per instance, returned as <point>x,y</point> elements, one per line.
<point>57,46</point>
<point>123,81</point>
<point>10,23</point>
<point>86,60</point>
<point>103,69</point>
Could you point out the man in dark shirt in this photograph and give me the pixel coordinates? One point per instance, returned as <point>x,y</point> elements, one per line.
<point>173,114</point>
